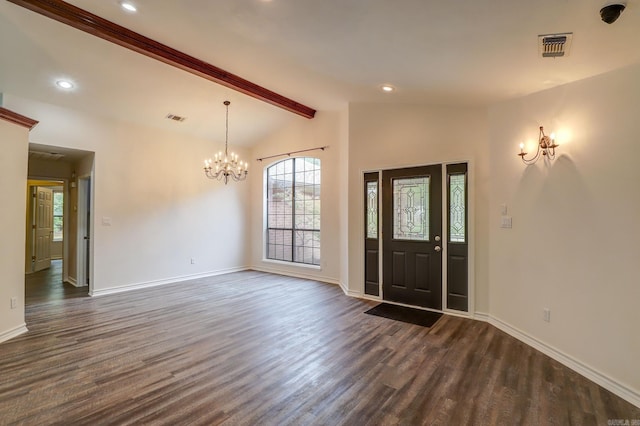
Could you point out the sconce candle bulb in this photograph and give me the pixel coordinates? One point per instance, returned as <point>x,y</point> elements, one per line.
<point>546,145</point>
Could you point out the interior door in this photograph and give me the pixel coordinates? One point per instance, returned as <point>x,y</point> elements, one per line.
<point>412,231</point>
<point>43,228</point>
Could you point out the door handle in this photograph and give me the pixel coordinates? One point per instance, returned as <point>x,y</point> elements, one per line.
<point>437,238</point>
<point>437,248</point>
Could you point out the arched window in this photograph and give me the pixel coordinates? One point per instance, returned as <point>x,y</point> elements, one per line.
<point>293,210</point>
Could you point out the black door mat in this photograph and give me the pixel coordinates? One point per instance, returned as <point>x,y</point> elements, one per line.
<point>405,314</point>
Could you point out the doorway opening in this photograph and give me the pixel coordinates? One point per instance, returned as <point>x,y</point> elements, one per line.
<point>57,255</point>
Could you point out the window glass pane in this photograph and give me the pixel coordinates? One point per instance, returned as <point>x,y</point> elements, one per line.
<point>58,212</point>
<point>411,208</point>
<point>57,228</point>
<point>293,210</point>
<point>372,209</point>
<point>307,245</point>
<point>58,203</point>
<point>457,208</point>
<point>279,244</point>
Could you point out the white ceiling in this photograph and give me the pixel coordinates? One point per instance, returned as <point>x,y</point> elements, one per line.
<point>323,54</point>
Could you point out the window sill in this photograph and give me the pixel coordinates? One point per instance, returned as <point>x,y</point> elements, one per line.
<point>295,264</point>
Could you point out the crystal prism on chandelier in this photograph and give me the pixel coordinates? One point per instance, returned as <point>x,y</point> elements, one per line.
<point>225,165</point>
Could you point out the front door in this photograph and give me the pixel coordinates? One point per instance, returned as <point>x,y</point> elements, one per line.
<point>43,227</point>
<point>412,232</point>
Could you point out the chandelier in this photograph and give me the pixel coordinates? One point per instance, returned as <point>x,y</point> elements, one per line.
<point>224,166</point>
<point>546,145</point>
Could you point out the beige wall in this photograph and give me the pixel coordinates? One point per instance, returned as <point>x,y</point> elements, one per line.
<point>150,184</point>
<point>574,243</point>
<point>13,175</point>
<point>385,136</point>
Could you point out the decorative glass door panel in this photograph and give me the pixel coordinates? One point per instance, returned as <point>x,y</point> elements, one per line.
<point>411,208</point>
<point>457,208</point>
<point>372,209</point>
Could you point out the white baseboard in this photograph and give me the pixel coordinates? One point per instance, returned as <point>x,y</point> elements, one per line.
<point>481,316</point>
<point>612,385</point>
<point>14,332</point>
<point>73,282</point>
<point>353,293</point>
<point>173,280</point>
<point>296,274</point>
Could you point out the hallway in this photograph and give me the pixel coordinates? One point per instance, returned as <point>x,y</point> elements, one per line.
<point>47,286</point>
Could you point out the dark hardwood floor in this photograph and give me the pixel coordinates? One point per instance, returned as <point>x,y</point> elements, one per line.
<point>251,348</point>
<point>47,286</point>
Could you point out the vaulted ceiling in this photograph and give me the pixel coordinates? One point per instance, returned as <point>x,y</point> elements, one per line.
<point>323,54</point>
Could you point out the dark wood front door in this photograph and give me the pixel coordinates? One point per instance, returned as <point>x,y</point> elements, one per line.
<point>412,233</point>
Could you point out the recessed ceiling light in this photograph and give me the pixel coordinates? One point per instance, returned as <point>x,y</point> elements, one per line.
<point>64,84</point>
<point>387,88</point>
<point>128,6</point>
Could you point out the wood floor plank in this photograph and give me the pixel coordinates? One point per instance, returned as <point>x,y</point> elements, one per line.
<point>254,348</point>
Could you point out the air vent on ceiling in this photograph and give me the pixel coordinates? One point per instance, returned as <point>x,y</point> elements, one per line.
<point>554,45</point>
<point>176,117</point>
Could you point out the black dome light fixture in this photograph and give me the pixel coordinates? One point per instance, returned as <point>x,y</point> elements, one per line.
<point>611,12</point>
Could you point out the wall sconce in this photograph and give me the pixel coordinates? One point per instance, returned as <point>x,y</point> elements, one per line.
<point>546,145</point>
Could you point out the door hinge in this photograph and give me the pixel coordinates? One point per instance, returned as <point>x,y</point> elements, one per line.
<point>33,226</point>
<point>33,258</point>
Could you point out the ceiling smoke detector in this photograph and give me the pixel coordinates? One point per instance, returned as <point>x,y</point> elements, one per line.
<point>554,45</point>
<point>176,117</point>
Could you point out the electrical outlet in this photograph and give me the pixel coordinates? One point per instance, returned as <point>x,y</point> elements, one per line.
<point>14,302</point>
<point>546,314</point>
<point>193,261</point>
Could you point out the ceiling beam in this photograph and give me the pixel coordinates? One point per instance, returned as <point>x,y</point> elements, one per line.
<point>14,117</point>
<point>107,30</point>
